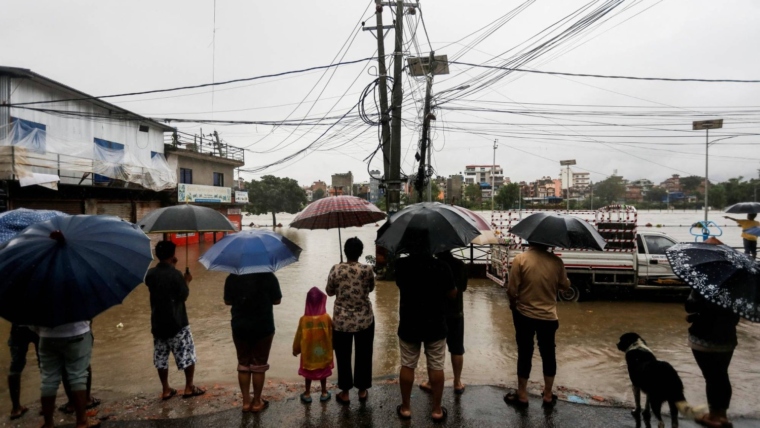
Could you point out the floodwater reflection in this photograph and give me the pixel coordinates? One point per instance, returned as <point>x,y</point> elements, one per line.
<point>587,357</point>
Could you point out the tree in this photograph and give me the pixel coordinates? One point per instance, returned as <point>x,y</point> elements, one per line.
<point>275,195</point>
<point>473,194</point>
<point>657,194</point>
<point>435,193</point>
<point>691,183</point>
<point>717,196</point>
<point>318,194</point>
<point>610,190</point>
<point>508,195</point>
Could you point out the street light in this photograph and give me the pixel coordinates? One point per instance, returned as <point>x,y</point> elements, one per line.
<point>707,125</point>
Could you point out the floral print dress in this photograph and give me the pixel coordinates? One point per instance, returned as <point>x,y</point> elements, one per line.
<point>351,284</point>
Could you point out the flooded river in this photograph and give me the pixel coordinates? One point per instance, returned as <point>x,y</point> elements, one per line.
<point>587,357</point>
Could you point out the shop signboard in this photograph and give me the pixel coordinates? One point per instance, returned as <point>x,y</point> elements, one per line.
<point>203,194</point>
<point>241,197</point>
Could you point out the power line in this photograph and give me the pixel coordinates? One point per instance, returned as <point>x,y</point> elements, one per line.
<point>603,76</point>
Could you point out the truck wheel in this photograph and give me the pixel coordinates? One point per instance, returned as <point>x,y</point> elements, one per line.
<point>571,295</point>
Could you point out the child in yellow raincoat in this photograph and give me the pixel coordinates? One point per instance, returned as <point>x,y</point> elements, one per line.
<point>313,342</point>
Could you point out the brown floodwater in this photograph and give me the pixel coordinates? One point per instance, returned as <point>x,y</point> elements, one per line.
<point>586,353</point>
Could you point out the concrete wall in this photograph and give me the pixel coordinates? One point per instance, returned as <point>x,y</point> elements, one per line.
<point>204,166</point>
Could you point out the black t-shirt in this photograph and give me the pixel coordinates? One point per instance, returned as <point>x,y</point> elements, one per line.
<point>424,284</point>
<point>455,307</point>
<point>252,296</point>
<point>168,293</point>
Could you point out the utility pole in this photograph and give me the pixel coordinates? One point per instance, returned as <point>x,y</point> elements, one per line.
<point>394,177</point>
<point>493,174</point>
<point>424,148</point>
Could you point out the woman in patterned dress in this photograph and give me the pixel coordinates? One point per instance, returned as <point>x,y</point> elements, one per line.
<point>353,321</point>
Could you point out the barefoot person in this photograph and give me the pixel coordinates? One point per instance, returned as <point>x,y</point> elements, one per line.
<point>750,241</point>
<point>169,324</point>
<point>18,342</point>
<point>313,342</point>
<point>454,321</point>
<point>425,284</point>
<point>534,280</point>
<point>353,321</point>
<point>252,297</point>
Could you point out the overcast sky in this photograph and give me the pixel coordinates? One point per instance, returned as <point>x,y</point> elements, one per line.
<point>113,47</point>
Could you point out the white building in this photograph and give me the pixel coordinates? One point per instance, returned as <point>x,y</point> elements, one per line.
<point>482,175</point>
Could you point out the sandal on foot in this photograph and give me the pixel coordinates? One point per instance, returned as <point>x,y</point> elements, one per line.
<point>513,400</point>
<point>549,404</point>
<point>196,392</point>
<point>262,408</point>
<point>342,401</point>
<point>172,393</point>
<point>94,402</point>
<point>305,399</point>
<point>21,412</point>
<point>444,415</point>
<point>426,388</point>
<point>703,421</point>
<point>323,398</point>
<point>459,391</point>
<point>66,408</point>
<point>401,415</point>
<point>364,399</point>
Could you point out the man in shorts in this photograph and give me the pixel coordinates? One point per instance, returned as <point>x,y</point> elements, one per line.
<point>425,285</point>
<point>169,323</point>
<point>454,321</point>
<point>19,341</point>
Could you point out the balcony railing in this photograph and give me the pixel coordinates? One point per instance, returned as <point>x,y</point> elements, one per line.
<point>205,146</point>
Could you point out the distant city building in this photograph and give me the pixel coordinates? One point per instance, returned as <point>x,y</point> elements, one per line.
<point>483,175</point>
<point>672,184</point>
<point>454,190</point>
<point>342,184</point>
<point>375,178</point>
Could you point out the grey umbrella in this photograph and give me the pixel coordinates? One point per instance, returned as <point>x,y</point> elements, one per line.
<point>744,208</point>
<point>557,230</point>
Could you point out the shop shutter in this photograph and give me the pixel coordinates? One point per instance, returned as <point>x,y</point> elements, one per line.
<point>72,207</point>
<point>118,209</point>
<point>143,208</point>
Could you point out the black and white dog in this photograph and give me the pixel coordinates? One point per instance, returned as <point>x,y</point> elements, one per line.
<point>658,379</point>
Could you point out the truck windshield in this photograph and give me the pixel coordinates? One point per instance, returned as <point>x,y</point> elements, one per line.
<point>658,244</point>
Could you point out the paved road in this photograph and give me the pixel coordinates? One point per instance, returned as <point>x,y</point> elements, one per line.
<point>480,406</point>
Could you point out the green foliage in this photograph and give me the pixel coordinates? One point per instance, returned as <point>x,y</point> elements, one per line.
<point>275,195</point>
<point>656,194</point>
<point>507,197</point>
<point>435,193</point>
<point>317,194</point>
<point>716,196</point>
<point>691,183</point>
<point>610,190</point>
<point>473,195</point>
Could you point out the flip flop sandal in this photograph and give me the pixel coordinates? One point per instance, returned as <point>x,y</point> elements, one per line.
<point>342,401</point>
<point>426,388</point>
<point>305,399</point>
<point>20,414</point>
<point>459,391</point>
<point>264,407</point>
<point>549,404</point>
<point>364,399</point>
<point>513,400</point>
<point>401,415</point>
<point>443,416</point>
<point>196,392</point>
<point>706,423</point>
<point>94,402</point>
<point>64,408</point>
<point>172,393</point>
<point>323,398</point>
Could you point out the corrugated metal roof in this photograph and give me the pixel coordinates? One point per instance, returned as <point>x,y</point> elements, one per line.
<point>25,73</point>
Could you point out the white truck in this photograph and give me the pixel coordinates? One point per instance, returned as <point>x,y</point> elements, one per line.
<point>632,259</point>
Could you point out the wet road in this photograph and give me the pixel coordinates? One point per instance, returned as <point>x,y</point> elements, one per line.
<point>588,360</point>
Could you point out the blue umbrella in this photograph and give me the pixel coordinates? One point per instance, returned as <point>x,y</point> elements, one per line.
<point>251,251</point>
<point>13,222</point>
<point>753,231</point>
<point>70,269</point>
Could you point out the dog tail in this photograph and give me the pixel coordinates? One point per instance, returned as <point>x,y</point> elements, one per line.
<point>690,412</point>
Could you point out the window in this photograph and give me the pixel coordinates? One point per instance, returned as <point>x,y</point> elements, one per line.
<point>640,245</point>
<point>111,153</point>
<point>658,244</point>
<point>186,175</point>
<point>28,134</point>
<point>218,179</point>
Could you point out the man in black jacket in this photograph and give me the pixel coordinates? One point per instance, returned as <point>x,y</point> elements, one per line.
<point>169,323</point>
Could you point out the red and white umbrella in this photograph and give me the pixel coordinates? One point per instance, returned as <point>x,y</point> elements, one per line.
<point>338,212</point>
<point>487,235</point>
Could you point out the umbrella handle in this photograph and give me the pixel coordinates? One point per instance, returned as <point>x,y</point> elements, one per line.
<point>340,245</point>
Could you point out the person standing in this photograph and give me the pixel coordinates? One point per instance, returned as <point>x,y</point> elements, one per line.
<point>454,320</point>
<point>353,321</point>
<point>169,324</point>
<point>313,342</point>
<point>535,279</point>
<point>252,297</point>
<point>18,342</point>
<point>425,285</point>
<point>65,350</point>
<point>712,338</point>
<point>750,241</point>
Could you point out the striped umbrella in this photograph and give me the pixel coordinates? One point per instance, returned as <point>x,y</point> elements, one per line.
<point>337,212</point>
<point>487,236</point>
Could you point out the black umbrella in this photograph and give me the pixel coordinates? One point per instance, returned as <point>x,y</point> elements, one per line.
<point>744,208</point>
<point>427,227</point>
<point>720,274</point>
<point>185,218</point>
<point>557,230</point>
